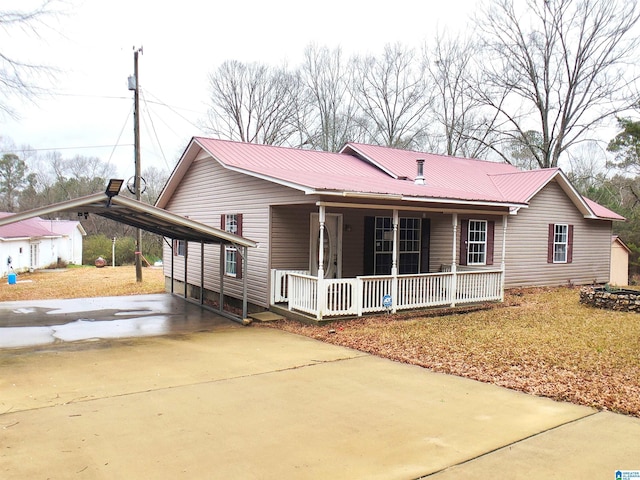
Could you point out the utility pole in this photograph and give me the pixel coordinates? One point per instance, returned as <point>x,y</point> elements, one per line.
<point>136,141</point>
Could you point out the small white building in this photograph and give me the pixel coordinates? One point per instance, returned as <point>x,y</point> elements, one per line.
<point>619,262</point>
<point>37,243</point>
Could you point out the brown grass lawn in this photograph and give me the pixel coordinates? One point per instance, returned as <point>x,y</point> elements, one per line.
<point>540,341</point>
<point>79,282</point>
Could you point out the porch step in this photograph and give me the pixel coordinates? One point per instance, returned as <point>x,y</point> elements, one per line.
<point>265,316</point>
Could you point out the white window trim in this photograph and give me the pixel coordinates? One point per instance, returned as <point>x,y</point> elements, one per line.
<point>231,226</point>
<point>181,252</point>
<point>470,252</point>
<point>565,243</point>
<point>227,250</point>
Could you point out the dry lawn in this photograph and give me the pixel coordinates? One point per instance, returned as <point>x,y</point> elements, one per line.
<point>80,282</point>
<point>541,341</point>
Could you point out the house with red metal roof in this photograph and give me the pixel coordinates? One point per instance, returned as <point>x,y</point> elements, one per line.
<point>375,228</point>
<point>36,243</point>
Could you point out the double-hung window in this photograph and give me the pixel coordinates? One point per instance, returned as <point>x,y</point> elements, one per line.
<point>560,243</point>
<point>179,248</point>
<point>477,242</point>
<point>232,223</point>
<point>560,249</point>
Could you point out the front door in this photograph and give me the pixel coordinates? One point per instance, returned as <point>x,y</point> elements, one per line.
<point>34,256</point>
<point>332,248</point>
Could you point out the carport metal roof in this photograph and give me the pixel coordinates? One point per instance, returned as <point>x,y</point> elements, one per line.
<point>139,215</point>
<point>155,220</point>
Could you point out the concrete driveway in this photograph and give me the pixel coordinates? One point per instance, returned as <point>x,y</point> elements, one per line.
<point>257,403</point>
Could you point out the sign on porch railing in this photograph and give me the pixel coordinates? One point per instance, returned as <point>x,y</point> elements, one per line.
<point>387,302</point>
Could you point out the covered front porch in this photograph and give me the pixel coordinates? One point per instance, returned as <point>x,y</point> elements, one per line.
<point>321,291</point>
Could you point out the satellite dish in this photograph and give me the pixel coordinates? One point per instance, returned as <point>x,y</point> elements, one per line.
<point>131,185</point>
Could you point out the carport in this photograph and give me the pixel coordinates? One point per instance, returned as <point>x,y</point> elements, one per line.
<point>170,226</point>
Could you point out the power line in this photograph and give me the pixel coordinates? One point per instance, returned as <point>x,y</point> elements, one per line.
<point>120,136</point>
<point>155,133</point>
<point>173,109</point>
<point>80,95</point>
<point>29,149</point>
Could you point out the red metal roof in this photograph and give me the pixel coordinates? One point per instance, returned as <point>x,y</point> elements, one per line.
<point>340,172</point>
<point>25,229</point>
<point>521,185</point>
<point>376,170</point>
<point>62,227</point>
<point>602,212</point>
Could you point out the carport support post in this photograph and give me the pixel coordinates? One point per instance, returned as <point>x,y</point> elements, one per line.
<point>186,254</point>
<point>201,273</point>
<point>221,294</point>
<point>173,253</point>
<point>245,262</point>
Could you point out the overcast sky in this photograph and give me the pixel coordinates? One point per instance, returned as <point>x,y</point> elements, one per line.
<point>92,46</point>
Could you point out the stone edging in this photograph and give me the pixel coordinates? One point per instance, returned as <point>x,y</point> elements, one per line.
<point>621,300</point>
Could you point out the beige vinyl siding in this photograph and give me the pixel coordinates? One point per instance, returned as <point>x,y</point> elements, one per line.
<point>208,191</point>
<point>442,237</point>
<point>527,241</point>
<point>290,228</point>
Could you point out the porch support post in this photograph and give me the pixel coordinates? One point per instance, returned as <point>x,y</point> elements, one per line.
<point>454,268</point>
<point>504,255</point>
<point>394,263</point>
<point>320,292</point>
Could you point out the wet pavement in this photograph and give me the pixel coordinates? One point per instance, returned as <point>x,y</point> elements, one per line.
<point>193,395</point>
<point>46,322</point>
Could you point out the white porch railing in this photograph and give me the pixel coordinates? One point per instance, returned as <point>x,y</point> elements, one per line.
<point>280,284</point>
<point>355,296</point>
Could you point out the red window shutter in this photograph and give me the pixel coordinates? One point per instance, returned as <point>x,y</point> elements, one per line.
<point>239,221</point>
<point>570,244</point>
<point>550,243</point>
<point>464,235</point>
<point>239,252</point>
<point>223,222</point>
<point>491,226</point>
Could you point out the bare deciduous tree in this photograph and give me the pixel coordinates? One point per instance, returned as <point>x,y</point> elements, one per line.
<point>253,103</point>
<point>556,66</point>
<point>331,117</point>
<point>392,95</point>
<point>463,129</point>
<point>19,78</point>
